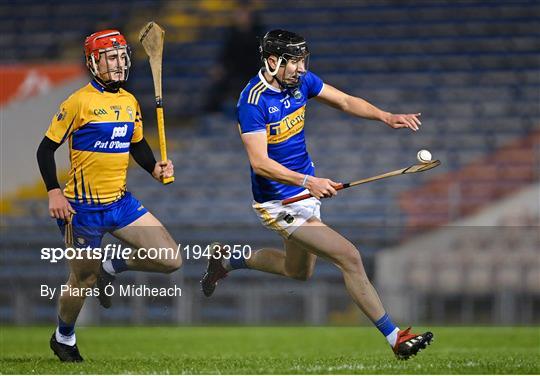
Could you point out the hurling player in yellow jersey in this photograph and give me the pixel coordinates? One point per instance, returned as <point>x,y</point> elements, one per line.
<point>102,124</point>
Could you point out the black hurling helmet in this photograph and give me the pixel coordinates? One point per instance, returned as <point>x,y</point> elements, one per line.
<point>286,45</point>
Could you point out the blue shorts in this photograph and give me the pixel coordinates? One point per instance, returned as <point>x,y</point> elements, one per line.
<point>92,222</point>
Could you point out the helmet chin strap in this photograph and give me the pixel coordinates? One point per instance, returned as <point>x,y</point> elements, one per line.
<point>274,72</point>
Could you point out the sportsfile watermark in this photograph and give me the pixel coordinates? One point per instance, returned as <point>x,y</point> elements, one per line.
<point>117,251</point>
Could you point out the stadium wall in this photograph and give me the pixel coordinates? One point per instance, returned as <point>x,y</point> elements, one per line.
<point>29,92</point>
<point>493,255</point>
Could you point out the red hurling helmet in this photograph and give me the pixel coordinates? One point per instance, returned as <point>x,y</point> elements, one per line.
<point>98,45</point>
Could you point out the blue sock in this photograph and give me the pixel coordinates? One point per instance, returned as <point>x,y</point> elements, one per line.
<point>64,328</point>
<point>119,265</point>
<point>385,325</point>
<point>238,263</point>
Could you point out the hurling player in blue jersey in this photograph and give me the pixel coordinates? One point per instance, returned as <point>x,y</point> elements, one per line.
<point>270,115</point>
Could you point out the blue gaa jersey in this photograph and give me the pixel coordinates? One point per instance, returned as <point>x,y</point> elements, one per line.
<point>263,108</point>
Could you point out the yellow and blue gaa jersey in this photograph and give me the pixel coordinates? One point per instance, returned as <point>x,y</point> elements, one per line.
<point>263,108</point>
<point>99,126</point>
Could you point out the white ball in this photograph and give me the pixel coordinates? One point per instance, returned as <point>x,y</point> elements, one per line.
<point>423,156</point>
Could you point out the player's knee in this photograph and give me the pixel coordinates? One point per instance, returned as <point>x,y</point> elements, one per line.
<point>350,260</point>
<point>171,265</point>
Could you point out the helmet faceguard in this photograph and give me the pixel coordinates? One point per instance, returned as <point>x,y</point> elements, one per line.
<point>111,46</point>
<point>286,46</point>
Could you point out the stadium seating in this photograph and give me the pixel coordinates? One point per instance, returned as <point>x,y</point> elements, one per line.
<point>485,267</point>
<point>471,68</point>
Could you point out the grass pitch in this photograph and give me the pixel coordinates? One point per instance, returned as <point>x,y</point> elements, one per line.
<point>271,350</point>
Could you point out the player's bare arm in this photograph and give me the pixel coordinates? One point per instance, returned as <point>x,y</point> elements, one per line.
<point>359,107</point>
<point>263,165</point>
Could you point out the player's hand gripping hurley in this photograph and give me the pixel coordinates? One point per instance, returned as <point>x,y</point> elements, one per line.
<point>407,170</point>
<point>152,36</point>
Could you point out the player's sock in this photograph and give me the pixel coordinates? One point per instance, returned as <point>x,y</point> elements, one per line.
<point>65,333</point>
<point>388,329</point>
<point>115,266</point>
<point>234,263</point>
